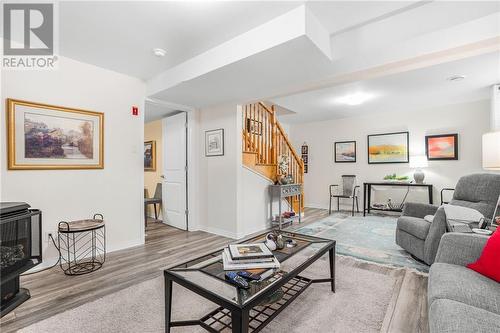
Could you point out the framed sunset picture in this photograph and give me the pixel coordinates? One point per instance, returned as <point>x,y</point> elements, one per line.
<point>441,147</point>
<point>388,148</point>
<point>42,136</point>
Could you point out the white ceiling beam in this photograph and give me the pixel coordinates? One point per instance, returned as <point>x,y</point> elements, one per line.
<point>295,24</point>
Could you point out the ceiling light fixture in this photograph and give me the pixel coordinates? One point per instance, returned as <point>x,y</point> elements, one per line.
<point>456,78</point>
<point>159,52</point>
<point>354,99</point>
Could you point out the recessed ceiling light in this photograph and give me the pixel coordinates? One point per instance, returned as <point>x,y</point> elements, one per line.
<point>354,99</point>
<point>159,52</point>
<point>455,78</point>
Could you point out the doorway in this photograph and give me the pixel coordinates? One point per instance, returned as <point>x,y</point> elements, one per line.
<point>174,174</point>
<point>165,171</point>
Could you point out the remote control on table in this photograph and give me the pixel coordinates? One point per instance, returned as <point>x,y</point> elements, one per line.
<point>249,276</point>
<point>237,280</point>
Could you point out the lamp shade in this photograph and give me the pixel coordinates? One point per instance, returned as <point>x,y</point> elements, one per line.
<point>491,151</point>
<point>418,161</point>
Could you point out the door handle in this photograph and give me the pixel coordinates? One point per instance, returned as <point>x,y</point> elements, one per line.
<point>162,176</point>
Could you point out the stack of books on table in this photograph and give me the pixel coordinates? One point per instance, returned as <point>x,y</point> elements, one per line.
<point>237,257</point>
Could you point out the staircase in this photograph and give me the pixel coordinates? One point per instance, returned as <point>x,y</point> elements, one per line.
<point>264,141</point>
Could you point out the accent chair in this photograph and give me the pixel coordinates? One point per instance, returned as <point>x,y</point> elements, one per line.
<point>421,238</point>
<point>348,190</point>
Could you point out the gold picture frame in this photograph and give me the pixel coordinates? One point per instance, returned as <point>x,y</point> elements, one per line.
<point>150,163</point>
<point>48,137</point>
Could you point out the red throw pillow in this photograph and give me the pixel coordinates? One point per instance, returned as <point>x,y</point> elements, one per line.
<point>488,263</point>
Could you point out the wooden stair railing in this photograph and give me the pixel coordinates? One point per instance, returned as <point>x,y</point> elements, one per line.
<point>264,137</point>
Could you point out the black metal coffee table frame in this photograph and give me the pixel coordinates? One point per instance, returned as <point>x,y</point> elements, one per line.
<point>241,319</point>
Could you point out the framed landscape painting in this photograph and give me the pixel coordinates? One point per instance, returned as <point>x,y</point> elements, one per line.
<point>345,152</point>
<point>214,142</point>
<point>441,147</point>
<point>388,148</point>
<point>42,136</point>
<point>150,156</point>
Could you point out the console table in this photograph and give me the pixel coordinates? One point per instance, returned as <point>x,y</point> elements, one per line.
<point>281,192</point>
<point>367,194</point>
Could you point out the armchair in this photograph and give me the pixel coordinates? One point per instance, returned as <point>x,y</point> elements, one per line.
<point>421,238</point>
<point>348,190</point>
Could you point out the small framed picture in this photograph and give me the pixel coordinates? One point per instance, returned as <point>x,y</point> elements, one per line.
<point>214,142</point>
<point>254,126</point>
<point>150,156</point>
<point>345,152</point>
<point>441,147</point>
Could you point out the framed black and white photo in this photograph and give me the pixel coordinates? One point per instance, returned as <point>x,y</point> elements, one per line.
<point>214,142</point>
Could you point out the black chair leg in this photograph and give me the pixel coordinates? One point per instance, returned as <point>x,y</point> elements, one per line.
<point>145,216</point>
<point>330,206</point>
<point>357,205</point>
<point>353,206</point>
<point>338,204</point>
<point>156,214</point>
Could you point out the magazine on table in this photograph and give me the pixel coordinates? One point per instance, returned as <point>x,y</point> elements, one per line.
<point>237,265</point>
<point>249,251</point>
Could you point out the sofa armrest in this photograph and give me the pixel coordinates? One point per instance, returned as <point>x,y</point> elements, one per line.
<point>460,249</point>
<point>419,210</point>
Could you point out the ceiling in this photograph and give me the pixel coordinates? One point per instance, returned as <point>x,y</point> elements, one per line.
<point>362,35</point>
<point>120,35</point>
<point>405,92</point>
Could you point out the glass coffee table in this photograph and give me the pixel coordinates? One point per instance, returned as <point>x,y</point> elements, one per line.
<point>248,310</point>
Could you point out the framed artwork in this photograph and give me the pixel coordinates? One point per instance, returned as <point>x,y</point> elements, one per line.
<point>150,156</point>
<point>345,152</point>
<point>44,137</point>
<point>441,147</point>
<point>388,148</point>
<point>254,126</point>
<point>214,142</point>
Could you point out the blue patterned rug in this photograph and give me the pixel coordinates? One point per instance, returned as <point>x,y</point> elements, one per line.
<point>370,238</point>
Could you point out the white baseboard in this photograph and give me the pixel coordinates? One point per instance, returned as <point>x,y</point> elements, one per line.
<point>220,232</point>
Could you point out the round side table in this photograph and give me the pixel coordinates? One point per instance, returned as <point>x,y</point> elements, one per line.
<point>82,245</point>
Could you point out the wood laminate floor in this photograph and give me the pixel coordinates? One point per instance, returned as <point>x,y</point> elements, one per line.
<point>53,292</point>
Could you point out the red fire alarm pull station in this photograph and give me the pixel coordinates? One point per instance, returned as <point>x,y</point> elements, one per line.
<point>135,111</point>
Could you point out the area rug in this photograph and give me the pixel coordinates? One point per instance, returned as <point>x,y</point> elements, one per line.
<point>365,295</point>
<point>369,238</point>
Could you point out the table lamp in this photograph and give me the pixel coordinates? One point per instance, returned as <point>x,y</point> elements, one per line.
<point>491,151</point>
<point>418,162</point>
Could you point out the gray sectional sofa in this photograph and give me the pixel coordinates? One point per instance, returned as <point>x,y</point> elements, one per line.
<point>459,299</point>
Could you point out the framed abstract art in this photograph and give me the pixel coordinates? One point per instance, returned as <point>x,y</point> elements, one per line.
<point>388,148</point>
<point>345,152</point>
<point>42,136</point>
<point>441,147</point>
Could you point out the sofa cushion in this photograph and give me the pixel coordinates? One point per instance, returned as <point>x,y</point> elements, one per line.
<point>458,283</point>
<point>489,262</point>
<point>415,226</point>
<point>447,316</point>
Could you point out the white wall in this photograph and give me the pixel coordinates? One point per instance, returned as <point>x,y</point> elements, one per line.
<point>469,120</point>
<point>115,191</point>
<point>217,195</point>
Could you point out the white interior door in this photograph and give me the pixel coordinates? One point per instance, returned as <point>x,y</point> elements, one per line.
<point>174,171</point>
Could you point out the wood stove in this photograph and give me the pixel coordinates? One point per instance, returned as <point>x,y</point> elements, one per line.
<point>20,250</point>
